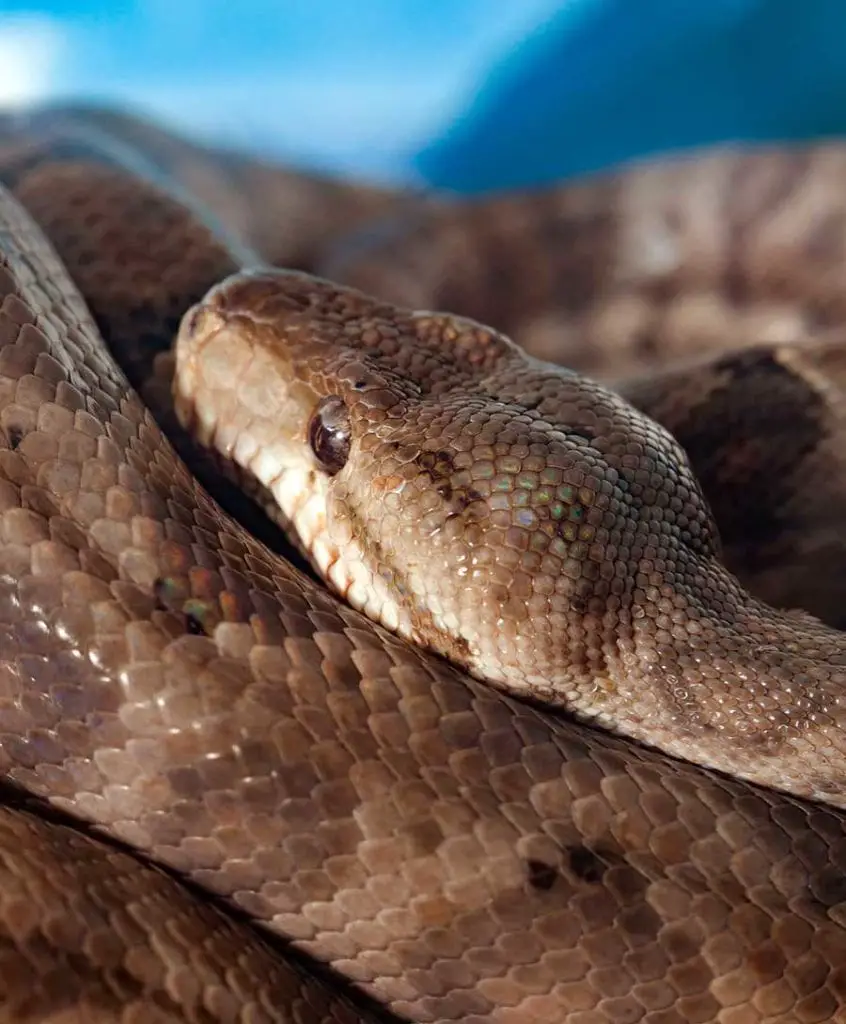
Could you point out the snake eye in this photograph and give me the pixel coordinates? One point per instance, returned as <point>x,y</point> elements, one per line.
<point>329,433</point>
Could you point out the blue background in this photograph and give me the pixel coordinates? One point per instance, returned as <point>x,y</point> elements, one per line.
<point>464,94</point>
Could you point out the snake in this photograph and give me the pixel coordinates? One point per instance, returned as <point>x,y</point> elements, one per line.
<point>229,793</point>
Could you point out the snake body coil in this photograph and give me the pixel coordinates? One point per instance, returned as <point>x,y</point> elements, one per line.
<point>184,690</point>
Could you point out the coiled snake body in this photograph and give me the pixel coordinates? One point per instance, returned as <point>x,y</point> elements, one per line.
<point>208,756</point>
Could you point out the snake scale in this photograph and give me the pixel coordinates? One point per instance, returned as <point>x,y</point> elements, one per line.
<point>229,796</point>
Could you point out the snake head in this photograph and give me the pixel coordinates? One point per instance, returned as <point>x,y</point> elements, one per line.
<point>495,508</point>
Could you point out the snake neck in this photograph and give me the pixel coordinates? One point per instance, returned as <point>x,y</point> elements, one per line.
<point>698,669</point>
<point>727,681</point>
<point>679,659</point>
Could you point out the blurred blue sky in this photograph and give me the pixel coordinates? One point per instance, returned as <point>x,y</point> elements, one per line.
<point>464,94</point>
<point>338,83</point>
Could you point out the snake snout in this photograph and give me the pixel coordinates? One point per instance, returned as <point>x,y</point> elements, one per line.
<point>235,394</point>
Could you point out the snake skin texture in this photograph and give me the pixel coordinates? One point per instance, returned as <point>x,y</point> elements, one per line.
<point>180,687</point>
<point>764,463</point>
<point>515,517</point>
<point>90,934</point>
<point>630,269</point>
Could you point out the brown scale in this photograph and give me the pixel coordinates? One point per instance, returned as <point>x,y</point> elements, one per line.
<point>457,855</point>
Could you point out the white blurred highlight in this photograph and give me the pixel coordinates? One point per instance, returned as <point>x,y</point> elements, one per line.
<point>31,47</point>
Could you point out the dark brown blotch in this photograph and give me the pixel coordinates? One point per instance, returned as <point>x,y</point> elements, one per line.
<point>439,468</point>
<point>748,480</point>
<point>585,864</point>
<point>14,436</point>
<point>541,876</point>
